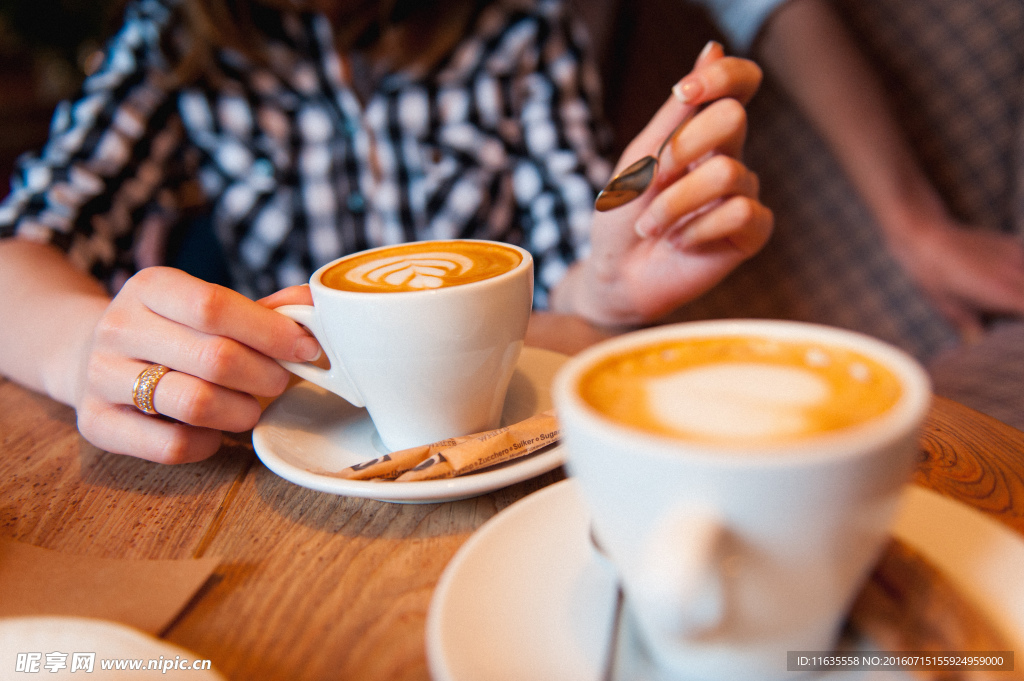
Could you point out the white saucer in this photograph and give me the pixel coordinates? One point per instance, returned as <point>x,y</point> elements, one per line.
<point>309,430</point>
<point>109,641</point>
<point>527,598</point>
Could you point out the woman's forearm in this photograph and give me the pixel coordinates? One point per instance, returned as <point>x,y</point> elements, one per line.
<point>49,309</point>
<point>811,53</point>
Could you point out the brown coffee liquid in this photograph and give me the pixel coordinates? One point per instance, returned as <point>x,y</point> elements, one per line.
<point>421,266</point>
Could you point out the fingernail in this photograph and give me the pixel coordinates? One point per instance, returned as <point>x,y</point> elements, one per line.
<point>688,90</point>
<point>711,44</point>
<point>307,349</point>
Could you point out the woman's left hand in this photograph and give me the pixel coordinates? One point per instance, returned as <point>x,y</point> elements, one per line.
<point>699,219</point>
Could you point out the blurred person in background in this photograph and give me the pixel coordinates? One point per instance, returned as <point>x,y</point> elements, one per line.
<point>899,208</point>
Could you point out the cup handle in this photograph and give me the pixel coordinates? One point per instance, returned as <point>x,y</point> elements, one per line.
<point>679,582</point>
<point>335,379</point>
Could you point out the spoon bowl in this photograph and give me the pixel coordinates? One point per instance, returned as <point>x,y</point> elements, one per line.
<point>632,181</point>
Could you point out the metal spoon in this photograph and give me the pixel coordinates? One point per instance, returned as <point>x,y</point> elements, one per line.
<point>633,181</point>
<point>612,659</point>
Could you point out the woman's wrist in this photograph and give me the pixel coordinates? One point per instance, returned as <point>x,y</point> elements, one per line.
<point>584,293</point>
<point>63,373</point>
<point>908,224</point>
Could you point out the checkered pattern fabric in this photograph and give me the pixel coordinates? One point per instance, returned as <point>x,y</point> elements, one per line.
<point>499,141</point>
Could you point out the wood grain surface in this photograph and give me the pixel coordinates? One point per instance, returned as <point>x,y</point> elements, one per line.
<point>910,606</point>
<point>975,459</point>
<point>315,586</point>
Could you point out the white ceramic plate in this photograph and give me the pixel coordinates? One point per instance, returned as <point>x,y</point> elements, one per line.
<point>309,430</point>
<point>527,599</point>
<point>109,642</point>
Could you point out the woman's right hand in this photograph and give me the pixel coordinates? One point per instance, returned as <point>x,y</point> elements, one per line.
<point>699,219</point>
<point>969,273</point>
<point>220,346</point>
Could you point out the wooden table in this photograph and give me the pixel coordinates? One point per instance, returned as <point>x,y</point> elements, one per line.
<point>316,586</point>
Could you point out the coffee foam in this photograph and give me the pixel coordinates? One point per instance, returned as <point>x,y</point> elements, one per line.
<point>737,401</point>
<point>421,266</point>
<point>740,390</point>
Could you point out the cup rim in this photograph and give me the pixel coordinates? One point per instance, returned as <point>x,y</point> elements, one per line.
<point>903,419</point>
<point>525,263</point>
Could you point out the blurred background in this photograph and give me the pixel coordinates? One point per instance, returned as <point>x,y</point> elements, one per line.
<point>46,48</point>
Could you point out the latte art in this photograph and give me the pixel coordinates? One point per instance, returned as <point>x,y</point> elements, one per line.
<point>421,267</point>
<point>738,400</point>
<point>422,271</point>
<point>740,390</point>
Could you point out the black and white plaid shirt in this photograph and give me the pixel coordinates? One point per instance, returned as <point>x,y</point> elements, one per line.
<point>499,141</point>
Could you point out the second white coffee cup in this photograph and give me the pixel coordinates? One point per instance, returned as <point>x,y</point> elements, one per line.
<point>744,530</point>
<point>427,364</point>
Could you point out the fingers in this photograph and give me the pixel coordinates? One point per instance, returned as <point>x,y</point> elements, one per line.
<point>720,129</point>
<point>989,276</point>
<point>219,346</point>
<point>714,78</point>
<point>219,311</point>
<point>140,334</point>
<point>203,404</point>
<point>700,218</point>
<point>965,269</point>
<point>125,430</point>
<point>177,395</point>
<point>718,178</point>
<point>743,223</point>
<point>293,295</point>
<point>213,358</point>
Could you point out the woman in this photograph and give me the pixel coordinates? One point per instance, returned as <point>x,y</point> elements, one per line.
<point>310,132</point>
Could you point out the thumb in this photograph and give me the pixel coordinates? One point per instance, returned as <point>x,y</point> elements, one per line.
<point>293,295</point>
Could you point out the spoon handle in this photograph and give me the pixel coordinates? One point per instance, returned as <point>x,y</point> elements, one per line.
<point>682,124</point>
<point>634,180</point>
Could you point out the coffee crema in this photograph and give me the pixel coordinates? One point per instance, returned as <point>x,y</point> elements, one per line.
<point>740,390</point>
<point>421,266</point>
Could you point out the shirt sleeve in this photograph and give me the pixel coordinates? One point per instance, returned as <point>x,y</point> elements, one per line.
<point>100,179</point>
<point>564,145</point>
<point>740,20</point>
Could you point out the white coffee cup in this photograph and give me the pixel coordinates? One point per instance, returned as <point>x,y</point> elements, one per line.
<point>427,364</point>
<point>734,549</point>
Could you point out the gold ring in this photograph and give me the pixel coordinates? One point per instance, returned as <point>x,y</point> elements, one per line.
<point>145,384</point>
